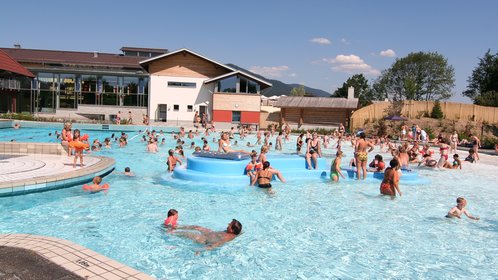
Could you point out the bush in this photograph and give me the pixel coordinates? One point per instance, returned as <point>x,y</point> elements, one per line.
<point>436,112</point>
<point>489,142</point>
<point>429,132</point>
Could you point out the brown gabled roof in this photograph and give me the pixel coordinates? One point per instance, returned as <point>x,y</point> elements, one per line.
<point>9,64</point>
<point>316,102</point>
<point>72,57</point>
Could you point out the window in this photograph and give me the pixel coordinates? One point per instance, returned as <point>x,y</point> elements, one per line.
<point>182,84</point>
<point>190,108</point>
<point>176,107</point>
<point>235,116</point>
<point>228,85</point>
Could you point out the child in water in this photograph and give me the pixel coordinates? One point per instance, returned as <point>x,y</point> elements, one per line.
<point>459,209</point>
<point>96,187</point>
<point>172,219</point>
<point>335,168</point>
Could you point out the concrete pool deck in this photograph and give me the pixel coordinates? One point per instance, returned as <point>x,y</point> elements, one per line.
<point>33,167</point>
<point>72,257</point>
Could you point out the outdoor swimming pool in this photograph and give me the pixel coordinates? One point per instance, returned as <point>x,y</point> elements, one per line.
<point>311,229</point>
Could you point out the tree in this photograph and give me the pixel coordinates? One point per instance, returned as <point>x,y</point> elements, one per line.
<point>299,91</point>
<point>418,76</point>
<point>483,84</point>
<point>362,90</point>
<point>436,112</point>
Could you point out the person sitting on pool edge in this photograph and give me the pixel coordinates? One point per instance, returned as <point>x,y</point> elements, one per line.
<point>459,209</point>
<point>264,176</point>
<point>211,239</point>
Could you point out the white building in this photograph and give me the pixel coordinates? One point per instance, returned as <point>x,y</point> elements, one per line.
<point>182,82</point>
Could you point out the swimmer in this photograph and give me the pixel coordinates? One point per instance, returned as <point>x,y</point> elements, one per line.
<point>335,168</point>
<point>428,161</point>
<point>152,147</point>
<point>361,155</point>
<point>172,218</point>
<point>390,183</point>
<point>265,175</point>
<point>96,187</point>
<point>471,157</point>
<point>211,239</point>
<point>128,172</point>
<point>377,165</point>
<point>206,147</point>
<point>253,166</point>
<point>459,209</point>
<point>172,160</point>
<point>455,164</point>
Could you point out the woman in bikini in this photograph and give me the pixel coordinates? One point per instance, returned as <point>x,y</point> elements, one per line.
<point>390,184</point>
<point>225,146</point>
<point>454,142</point>
<point>313,151</point>
<point>443,150</point>
<point>264,176</point>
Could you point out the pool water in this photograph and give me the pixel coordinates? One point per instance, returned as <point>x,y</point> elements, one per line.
<point>306,230</point>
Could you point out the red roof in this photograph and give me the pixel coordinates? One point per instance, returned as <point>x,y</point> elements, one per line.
<point>7,63</point>
<point>76,58</point>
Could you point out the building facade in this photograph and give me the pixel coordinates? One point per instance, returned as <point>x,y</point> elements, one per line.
<point>184,82</point>
<point>85,85</point>
<point>167,86</point>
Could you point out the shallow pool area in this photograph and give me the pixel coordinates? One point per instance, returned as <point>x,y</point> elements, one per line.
<point>308,229</point>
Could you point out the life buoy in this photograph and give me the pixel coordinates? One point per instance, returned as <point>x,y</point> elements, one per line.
<point>84,137</point>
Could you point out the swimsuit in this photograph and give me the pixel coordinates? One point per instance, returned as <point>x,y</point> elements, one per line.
<point>314,148</point>
<point>333,171</point>
<point>387,189</point>
<point>362,156</point>
<point>261,175</point>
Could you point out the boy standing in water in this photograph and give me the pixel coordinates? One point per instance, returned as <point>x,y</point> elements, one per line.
<point>459,209</point>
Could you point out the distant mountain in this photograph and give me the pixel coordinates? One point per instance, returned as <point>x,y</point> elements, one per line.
<point>280,88</point>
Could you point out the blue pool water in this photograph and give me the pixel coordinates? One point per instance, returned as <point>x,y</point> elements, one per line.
<point>307,230</point>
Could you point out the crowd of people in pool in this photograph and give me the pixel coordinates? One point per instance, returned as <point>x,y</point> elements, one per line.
<point>413,149</point>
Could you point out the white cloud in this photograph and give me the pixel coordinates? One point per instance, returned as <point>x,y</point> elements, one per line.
<point>351,64</point>
<point>347,59</point>
<point>388,53</point>
<point>269,71</point>
<point>344,41</point>
<point>321,41</point>
<point>292,75</point>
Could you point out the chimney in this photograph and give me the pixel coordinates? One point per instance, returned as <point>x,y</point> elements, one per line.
<point>350,92</point>
<point>17,46</point>
<point>95,54</point>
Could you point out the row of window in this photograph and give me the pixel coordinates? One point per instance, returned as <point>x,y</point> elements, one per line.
<point>176,108</point>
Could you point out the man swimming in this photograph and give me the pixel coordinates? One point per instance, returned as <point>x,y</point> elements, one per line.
<point>211,239</point>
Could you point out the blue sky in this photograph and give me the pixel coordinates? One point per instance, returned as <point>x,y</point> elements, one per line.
<point>316,43</point>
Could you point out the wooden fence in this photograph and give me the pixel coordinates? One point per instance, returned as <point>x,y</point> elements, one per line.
<point>415,109</point>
